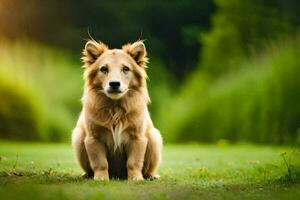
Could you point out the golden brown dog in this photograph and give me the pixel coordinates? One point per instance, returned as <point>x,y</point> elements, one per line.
<point>114,135</point>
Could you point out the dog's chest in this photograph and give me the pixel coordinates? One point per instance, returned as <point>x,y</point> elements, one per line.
<point>118,124</point>
<point>117,136</point>
<point>117,121</point>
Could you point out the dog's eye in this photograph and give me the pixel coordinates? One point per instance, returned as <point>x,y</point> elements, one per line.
<point>104,69</point>
<point>126,69</point>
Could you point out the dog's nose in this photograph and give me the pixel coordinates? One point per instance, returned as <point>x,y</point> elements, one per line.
<point>114,84</point>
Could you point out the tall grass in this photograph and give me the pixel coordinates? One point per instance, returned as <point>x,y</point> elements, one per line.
<point>260,103</point>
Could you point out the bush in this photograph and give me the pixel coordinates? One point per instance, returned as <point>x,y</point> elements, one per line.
<point>48,76</point>
<point>19,112</point>
<point>259,103</point>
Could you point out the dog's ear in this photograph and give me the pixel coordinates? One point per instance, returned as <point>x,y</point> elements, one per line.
<point>92,51</point>
<point>138,52</point>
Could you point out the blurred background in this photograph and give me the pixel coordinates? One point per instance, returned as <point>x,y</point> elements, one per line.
<point>220,70</point>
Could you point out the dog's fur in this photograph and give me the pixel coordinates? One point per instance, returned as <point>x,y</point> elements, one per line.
<point>114,136</point>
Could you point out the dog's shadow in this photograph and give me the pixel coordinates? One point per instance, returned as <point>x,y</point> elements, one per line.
<point>52,177</point>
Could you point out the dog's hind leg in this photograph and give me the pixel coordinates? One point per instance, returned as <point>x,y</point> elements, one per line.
<point>153,154</point>
<point>78,137</point>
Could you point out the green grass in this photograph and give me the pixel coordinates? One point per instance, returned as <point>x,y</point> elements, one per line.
<point>49,171</point>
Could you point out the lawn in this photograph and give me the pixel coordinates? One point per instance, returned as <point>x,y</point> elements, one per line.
<point>221,171</point>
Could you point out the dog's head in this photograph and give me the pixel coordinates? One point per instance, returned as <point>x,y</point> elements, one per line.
<point>114,71</point>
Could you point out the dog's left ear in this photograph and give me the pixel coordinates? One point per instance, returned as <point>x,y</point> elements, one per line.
<point>92,51</point>
<point>138,52</point>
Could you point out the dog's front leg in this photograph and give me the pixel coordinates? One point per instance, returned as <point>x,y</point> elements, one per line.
<point>97,156</point>
<point>136,152</point>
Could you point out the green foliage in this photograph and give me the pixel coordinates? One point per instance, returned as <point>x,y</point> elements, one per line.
<point>240,27</point>
<point>237,92</point>
<point>160,88</point>
<point>20,117</point>
<point>259,103</point>
<point>51,78</point>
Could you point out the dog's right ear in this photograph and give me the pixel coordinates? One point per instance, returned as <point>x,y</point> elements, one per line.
<point>92,51</point>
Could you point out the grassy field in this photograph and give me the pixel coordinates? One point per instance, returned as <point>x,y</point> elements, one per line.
<point>49,171</point>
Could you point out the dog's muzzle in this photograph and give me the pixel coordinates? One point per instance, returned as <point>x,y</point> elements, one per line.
<point>114,87</point>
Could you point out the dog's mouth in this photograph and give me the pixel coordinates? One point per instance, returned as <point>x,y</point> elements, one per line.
<point>115,93</point>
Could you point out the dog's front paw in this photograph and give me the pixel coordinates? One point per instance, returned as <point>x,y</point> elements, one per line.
<point>101,176</point>
<point>135,177</point>
<point>152,177</point>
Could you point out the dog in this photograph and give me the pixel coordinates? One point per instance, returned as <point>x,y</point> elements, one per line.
<point>114,136</point>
